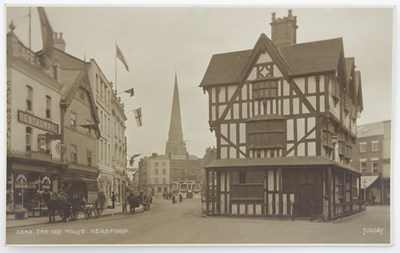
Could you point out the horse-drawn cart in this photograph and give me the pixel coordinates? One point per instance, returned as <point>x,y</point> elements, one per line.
<point>68,206</point>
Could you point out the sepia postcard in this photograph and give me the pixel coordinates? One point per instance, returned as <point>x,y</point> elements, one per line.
<point>198,125</point>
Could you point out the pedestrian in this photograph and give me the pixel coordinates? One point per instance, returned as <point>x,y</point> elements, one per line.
<point>113,200</point>
<point>180,198</point>
<point>102,200</point>
<point>173,199</point>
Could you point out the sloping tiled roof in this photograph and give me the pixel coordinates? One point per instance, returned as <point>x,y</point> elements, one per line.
<point>313,57</point>
<point>226,68</point>
<point>305,58</point>
<point>371,129</point>
<point>276,162</point>
<point>67,61</point>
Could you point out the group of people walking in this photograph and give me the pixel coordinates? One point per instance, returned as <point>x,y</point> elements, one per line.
<point>173,197</point>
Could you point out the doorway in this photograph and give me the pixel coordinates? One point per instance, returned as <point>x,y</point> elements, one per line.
<point>307,202</point>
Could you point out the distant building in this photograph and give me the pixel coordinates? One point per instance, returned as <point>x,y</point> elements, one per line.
<point>118,148</point>
<point>372,157</point>
<point>284,116</point>
<point>161,173</point>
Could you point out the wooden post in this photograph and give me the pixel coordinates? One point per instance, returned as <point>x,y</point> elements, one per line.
<point>351,192</point>
<point>226,192</point>
<point>207,191</point>
<point>279,179</point>
<point>218,192</point>
<point>213,191</point>
<point>329,192</point>
<point>334,194</point>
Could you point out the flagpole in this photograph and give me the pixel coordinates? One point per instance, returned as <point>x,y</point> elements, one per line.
<point>115,65</point>
<point>30,28</point>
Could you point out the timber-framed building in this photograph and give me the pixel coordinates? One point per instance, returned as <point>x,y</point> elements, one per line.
<point>284,116</point>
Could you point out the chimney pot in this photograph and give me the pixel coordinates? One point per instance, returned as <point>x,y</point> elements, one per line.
<point>56,35</point>
<point>290,13</point>
<point>61,35</point>
<point>273,16</point>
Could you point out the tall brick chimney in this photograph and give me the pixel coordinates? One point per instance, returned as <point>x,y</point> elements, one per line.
<point>59,42</point>
<point>283,30</point>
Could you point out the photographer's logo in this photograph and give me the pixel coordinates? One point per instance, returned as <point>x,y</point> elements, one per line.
<point>377,231</point>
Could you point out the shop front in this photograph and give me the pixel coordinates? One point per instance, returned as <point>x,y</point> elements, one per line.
<point>24,178</point>
<point>291,187</point>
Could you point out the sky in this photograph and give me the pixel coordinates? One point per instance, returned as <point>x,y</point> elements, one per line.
<point>157,41</point>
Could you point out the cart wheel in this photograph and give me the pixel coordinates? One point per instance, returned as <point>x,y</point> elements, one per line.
<point>88,213</point>
<point>74,214</point>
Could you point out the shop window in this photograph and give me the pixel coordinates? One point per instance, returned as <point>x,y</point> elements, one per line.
<point>74,154</point>
<point>29,98</point>
<point>159,189</point>
<point>48,107</point>
<point>28,139</point>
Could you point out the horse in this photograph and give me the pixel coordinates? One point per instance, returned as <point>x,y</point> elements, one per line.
<point>146,201</point>
<point>56,201</point>
<point>133,202</point>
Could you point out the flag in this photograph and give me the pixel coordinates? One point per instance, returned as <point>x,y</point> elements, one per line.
<point>132,160</point>
<point>138,116</point>
<point>47,36</point>
<point>131,92</point>
<point>121,57</point>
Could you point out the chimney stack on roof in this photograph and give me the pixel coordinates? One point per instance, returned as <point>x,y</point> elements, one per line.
<point>283,30</point>
<point>59,42</point>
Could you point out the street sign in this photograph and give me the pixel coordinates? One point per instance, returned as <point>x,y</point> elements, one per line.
<point>61,148</point>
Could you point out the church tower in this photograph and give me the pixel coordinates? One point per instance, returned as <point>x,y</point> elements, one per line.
<point>176,147</point>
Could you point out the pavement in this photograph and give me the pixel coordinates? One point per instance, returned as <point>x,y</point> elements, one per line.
<point>31,221</point>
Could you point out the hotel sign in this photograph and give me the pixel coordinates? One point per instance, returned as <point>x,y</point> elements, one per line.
<point>37,122</point>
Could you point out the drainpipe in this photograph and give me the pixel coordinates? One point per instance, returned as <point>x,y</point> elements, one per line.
<point>63,107</point>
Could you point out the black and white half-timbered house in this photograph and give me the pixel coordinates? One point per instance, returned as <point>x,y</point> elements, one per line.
<point>284,116</point>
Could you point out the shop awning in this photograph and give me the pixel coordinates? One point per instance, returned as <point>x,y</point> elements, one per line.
<point>366,181</point>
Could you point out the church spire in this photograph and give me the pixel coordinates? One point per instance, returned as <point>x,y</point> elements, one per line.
<point>175,144</point>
